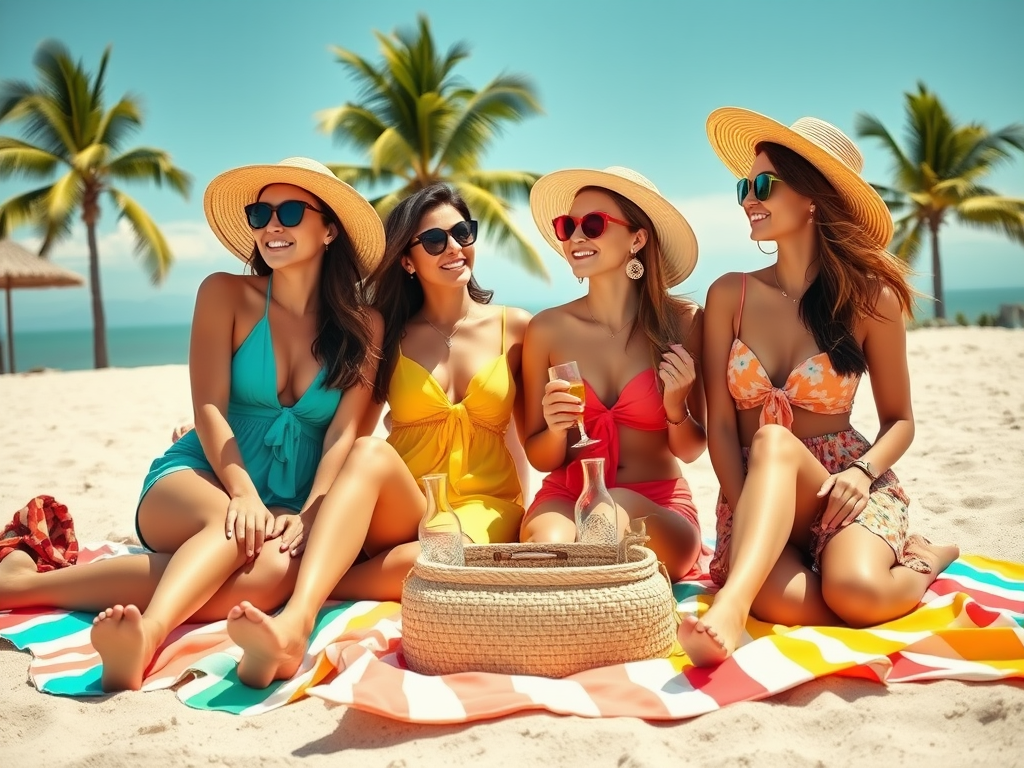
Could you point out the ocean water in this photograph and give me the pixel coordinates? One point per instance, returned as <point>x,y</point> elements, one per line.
<point>131,347</point>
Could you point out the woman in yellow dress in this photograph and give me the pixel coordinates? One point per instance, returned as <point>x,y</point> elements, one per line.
<point>452,362</point>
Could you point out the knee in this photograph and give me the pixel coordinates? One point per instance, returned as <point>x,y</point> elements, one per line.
<point>371,455</point>
<point>772,441</point>
<point>854,596</point>
<point>547,528</point>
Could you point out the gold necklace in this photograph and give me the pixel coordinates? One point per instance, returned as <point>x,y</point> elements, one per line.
<point>610,334</point>
<point>775,272</point>
<point>447,337</point>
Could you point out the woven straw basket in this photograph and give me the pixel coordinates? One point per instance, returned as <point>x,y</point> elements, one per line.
<point>547,609</point>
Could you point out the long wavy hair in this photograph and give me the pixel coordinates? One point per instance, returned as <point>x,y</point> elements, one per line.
<point>395,293</point>
<point>344,336</point>
<point>853,269</point>
<point>659,313</point>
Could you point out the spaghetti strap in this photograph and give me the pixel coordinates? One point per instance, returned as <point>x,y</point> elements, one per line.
<point>743,296</point>
<point>270,282</point>
<point>503,309</point>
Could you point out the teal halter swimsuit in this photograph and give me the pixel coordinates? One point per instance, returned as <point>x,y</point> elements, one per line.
<point>280,445</point>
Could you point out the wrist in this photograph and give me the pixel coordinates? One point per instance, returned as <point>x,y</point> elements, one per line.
<point>683,414</point>
<point>866,467</point>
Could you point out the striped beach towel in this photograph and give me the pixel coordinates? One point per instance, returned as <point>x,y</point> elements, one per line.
<point>970,626</point>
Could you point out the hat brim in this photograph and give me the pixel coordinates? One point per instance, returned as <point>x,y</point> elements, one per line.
<point>553,194</point>
<point>734,133</point>
<point>227,195</point>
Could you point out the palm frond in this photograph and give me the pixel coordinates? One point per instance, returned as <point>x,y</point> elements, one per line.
<point>19,157</point>
<point>13,95</point>
<point>868,126</point>
<point>147,163</point>
<point>65,196</point>
<point>510,185</point>
<point>493,213</point>
<point>21,209</point>
<point>150,244</point>
<point>364,176</point>
<point>352,123</point>
<point>907,237</point>
<point>118,122</point>
<point>91,159</point>
<point>1003,214</point>
<point>391,152</point>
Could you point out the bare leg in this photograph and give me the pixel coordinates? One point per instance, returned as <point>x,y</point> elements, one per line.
<point>182,515</point>
<point>674,539</point>
<point>791,594</point>
<point>374,498</point>
<point>863,584</point>
<point>777,505</point>
<point>379,578</point>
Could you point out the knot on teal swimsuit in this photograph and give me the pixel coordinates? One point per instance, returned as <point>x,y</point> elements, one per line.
<point>283,440</point>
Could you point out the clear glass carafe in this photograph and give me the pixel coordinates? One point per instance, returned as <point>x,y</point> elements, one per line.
<point>595,512</point>
<point>440,532</point>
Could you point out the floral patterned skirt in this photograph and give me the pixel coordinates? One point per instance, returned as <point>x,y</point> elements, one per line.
<point>885,514</point>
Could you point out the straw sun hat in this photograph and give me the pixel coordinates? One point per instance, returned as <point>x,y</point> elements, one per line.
<point>554,193</point>
<point>229,193</point>
<point>734,132</point>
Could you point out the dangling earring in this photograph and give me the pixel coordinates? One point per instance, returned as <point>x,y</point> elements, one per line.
<point>767,253</point>
<point>634,267</point>
<point>412,275</point>
<point>580,279</point>
<point>810,219</point>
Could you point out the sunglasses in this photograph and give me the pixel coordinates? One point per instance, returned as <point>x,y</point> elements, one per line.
<point>592,224</point>
<point>762,187</point>
<point>289,213</point>
<point>435,241</point>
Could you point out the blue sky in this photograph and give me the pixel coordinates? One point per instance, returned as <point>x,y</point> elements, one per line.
<point>229,83</point>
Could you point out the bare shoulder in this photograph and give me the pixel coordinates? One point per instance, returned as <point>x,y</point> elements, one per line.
<point>376,320</point>
<point>887,306</point>
<point>517,320</point>
<point>726,288</point>
<point>224,289</point>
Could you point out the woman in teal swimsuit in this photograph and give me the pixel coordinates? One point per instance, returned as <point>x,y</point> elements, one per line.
<point>271,355</point>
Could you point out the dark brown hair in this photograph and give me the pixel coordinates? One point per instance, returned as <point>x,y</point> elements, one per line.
<point>659,314</point>
<point>344,334</point>
<point>392,291</point>
<point>852,269</point>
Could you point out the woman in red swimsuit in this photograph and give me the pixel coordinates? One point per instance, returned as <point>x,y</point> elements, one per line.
<point>637,349</point>
<point>812,523</point>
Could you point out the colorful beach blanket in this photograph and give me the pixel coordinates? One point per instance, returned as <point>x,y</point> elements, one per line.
<point>969,627</point>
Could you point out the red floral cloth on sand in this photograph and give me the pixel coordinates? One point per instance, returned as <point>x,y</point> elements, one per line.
<point>45,530</point>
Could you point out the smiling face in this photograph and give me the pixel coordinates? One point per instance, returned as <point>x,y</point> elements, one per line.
<point>454,265</point>
<point>282,246</point>
<point>784,213</point>
<point>608,251</point>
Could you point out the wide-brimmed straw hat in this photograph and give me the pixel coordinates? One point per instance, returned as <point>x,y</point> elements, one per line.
<point>554,193</point>
<point>229,193</point>
<point>734,132</point>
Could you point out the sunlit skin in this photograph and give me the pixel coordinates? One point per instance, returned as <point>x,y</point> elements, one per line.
<point>786,487</point>
<point>209,531</point>
<point>569,332</point>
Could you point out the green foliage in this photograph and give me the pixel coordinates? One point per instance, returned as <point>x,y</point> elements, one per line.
<point>419,123</point>
<point>961,319</point>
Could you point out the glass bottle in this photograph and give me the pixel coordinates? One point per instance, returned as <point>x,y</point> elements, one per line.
<point>440,533</point>
<point>596,514</point>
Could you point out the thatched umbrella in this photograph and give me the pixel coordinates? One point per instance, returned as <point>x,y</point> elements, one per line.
<point>20,268</point>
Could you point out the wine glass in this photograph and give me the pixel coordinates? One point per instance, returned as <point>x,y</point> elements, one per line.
<point>570,372</point>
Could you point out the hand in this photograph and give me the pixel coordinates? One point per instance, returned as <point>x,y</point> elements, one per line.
<point>848,493</point>
<point>561,410</point>
<point>292,530</point>
<point>181,430</point>
<point>677,372</point>
<point>249,521</point>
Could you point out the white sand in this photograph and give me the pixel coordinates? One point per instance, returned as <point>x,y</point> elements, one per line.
<point>87,438</point>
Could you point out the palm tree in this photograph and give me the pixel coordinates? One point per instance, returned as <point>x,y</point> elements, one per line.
<point>421,124</point>
<point>940,173</point>
<point>68,128</point>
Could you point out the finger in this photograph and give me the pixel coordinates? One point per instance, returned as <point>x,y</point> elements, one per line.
<point>858,507</point>
<point>229,521</point>
<point>240,528</point>
<point>299,545</point>
<point>556,385</point>
<point>260,533</point>
<point>280,526</point>
<point>294,533</point>
<point>556,398</point>
<point>827,486</point>
<point>250,532</point>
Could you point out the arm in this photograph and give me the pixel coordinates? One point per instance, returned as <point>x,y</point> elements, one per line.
<point>684,392</point>
<point>885,347</point>
<point>550,410</point>
<point>515,437</point>
<point>209,368</point>
<point>356,410</point>
<point>723,431</point>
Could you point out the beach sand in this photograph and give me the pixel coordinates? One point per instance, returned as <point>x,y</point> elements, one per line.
<point>87,438</point>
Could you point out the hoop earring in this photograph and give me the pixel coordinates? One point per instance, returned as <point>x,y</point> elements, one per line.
<point>634,267</point>
<point>767,253</point>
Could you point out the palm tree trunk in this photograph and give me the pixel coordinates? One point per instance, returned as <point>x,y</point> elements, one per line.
<point>90,215</point>
<point>940,299</point>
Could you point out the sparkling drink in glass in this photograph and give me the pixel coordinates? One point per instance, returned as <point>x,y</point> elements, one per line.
<point>570,372</point>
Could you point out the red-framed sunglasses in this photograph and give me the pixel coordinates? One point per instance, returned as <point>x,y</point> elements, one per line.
<point>592,224</point>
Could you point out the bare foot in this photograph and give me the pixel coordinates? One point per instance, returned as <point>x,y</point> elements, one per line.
<point>710,640</point>
<point>937,556</point>
<point>120,637</point>
<point>272,649</point>
<point>16,572</point>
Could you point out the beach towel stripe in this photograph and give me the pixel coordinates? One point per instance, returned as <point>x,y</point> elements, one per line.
<point>970,626</point>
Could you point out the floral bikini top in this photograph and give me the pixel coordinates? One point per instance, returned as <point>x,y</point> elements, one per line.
<point>813,385</point>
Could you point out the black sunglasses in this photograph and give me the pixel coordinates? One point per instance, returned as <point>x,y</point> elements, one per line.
<point>435,241</point>
<point>762,187</point>
<point>289,213</point>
